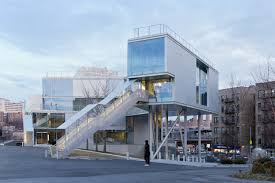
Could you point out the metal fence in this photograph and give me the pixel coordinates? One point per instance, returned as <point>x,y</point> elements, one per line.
<point>158,29</point>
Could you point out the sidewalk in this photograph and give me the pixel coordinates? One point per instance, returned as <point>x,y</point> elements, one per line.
<point>93,155</point>
<point>197,164</point>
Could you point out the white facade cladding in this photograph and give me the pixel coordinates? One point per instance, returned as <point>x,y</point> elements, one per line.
<point>182,63</point>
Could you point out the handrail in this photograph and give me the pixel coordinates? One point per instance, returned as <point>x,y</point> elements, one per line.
<point>71,136</point>
<point>88,120</point>
<point>157,29</point>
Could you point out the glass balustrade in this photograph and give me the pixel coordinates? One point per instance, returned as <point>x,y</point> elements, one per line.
<point>75,131</point>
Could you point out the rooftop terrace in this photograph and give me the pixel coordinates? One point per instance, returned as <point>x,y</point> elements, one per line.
<point>158,29</point>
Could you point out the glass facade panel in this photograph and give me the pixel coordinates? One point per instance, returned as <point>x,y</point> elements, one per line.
<point>56,120</point>
<point>39,118</point>
<point>203,87</point>
<point>146,57</point>
<point>57,87</point>
<point>159,90</point>
<point>63,104</point>
<point>41,138</point>
<point>47,136</point>
<point>164,91</point>
<point>80,103</point>
<point>201,83</point>
<point>112,137</point>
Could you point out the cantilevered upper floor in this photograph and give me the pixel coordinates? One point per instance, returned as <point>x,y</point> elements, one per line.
<point>171,69</point>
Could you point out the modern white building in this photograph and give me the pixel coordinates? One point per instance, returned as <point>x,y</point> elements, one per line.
<point>168,81</point>
<point>63,95</point>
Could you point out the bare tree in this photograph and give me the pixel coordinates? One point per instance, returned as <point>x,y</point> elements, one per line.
<point>94,91</point>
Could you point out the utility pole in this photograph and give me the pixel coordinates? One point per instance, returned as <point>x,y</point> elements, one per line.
<point>250,143</point>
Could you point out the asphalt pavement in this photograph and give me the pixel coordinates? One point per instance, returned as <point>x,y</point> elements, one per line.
<point>28,164</point>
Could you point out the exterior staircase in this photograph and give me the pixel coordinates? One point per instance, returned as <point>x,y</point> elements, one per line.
<point>97,117</point>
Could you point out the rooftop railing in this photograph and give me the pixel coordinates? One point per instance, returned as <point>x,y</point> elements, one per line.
<point>158,29</point>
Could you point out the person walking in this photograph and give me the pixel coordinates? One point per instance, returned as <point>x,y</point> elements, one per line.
<point>147,153</point>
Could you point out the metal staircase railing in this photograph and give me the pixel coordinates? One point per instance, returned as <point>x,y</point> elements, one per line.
<point>96,117</point>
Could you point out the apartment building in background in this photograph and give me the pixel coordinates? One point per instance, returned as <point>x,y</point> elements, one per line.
<point>234,127</point>
<point>11,120</point>
<point>265,115</point>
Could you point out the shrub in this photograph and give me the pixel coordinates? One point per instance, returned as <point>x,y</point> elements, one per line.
<point>258,168</point>
<point>226,161</point>
<point>272,170</point>
<point>262,160</point>
<point>239,161</point>
<point>267,166</point>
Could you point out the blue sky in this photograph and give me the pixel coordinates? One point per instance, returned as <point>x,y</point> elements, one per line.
<point>37,37</point>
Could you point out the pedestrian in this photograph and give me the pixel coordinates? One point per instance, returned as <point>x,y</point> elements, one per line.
<point>147,153</point>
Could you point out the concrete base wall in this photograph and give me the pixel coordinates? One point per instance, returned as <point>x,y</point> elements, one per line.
<point>28,138</point>
<point>134,150</point>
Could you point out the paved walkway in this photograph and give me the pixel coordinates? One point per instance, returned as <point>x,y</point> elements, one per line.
<point>27,164</point>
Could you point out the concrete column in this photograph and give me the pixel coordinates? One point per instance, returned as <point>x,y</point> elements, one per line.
<point>157,129</point>
<point>180,126</point>
<point>199,136</point>
<point>91,142</point>
<point>150,118</point>
<point>185,135</point>
<point>166,132</point>
<point>162,122</point>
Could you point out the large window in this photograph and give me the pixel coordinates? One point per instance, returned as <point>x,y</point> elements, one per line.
<point>62,103</point>
<point>146,57</point>
<point>111,137</point>
<point>41,138</point>
<point>56,119</point>
<point>39,118</point>
<point>57,87</point>
<point>201,83</point>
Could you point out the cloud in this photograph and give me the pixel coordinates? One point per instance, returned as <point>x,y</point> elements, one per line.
<point>40,37</point>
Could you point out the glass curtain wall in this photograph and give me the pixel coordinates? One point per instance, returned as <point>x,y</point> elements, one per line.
<point>47,136</point>
<point>201,83</point>
<point>146,57</point>
<point>57,94</point>
<point>112,137</point>
<point>56,119</point>
<point>160,90</point>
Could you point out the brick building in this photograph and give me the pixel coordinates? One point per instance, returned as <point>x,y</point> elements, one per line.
<point>265,115</point>
<point>234,127</point>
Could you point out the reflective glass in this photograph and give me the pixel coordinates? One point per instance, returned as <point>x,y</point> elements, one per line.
<point>201,83</point>
<point>57,87</point>
<point>203,87</point>
<point>64,104</point>
<point>146,57</point>
<point>164,91</point>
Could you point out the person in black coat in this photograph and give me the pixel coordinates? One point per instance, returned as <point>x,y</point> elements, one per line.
<point>147,153</point>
